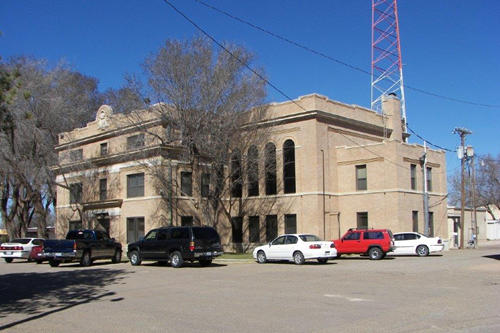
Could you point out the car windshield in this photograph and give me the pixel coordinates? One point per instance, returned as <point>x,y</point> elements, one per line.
<point>309,238</point>
<point>21,240</point>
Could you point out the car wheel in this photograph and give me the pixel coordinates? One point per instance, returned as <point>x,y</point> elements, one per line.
<point>135,258</point>
<point>261,257</point>
<point>298,258</point>
<point>39,262</point>
<point>8,260</point>
<point>86,259</point>
<point>375,253</point>
<point>322,260</point>
<point>54,263</point>
<point>117,257</point>
<point>205,262</point>
<point>422,250</point>
<point>176,259</point>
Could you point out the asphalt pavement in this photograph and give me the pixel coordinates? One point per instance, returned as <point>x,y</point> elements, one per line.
<point>458,291</point>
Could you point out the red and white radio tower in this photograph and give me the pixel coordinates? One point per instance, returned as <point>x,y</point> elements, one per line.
<point>387,69</point>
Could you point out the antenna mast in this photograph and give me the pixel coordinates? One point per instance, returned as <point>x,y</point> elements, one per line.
<point>387,68</point>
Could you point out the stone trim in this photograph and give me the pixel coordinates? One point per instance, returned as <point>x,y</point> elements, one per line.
<point>363,161</point>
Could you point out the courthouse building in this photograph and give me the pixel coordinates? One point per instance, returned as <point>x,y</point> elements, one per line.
<point>337,166</point>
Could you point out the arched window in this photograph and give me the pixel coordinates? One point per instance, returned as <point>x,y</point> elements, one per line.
<point>253,171</point>
<point>236,181</point>
<point>270,165</point>
<point>289,166</point>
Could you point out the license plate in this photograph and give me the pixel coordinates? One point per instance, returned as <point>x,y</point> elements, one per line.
<point>8,253</point>
<point>327,252</point>
<point>58,254</point>
<point>208,253</point>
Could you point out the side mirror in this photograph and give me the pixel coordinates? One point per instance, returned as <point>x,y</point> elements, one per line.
<point>269,244</point>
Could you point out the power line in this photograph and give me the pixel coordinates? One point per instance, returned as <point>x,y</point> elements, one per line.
<point>232,55</point>
<point>321,54</point>
<point>267,81</point>
<point>432,144</point>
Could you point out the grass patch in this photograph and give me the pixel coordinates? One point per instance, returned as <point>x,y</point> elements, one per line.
<point>236,256</point>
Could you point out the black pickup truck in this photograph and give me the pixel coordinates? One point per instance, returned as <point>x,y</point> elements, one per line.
<point>177,244</point>
<point>82,245</point>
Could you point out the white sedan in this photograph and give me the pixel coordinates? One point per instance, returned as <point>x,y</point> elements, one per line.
<point>22,248</point>
<point>297,248</point>
<point>408,243</point>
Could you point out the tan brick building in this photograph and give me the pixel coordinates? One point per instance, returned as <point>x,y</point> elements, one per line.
<point>338,166</point>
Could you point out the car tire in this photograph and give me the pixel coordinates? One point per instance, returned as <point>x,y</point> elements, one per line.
<point>8,260</point>
<point>205,262</point>
<point>176,259</point>
<point>117,257</point>
<point>135,258</point>
<point>54,263</point>
<point>298,258</point>
<point>422,251</point>
<point>86,260</point>
<point>39,262</point>
<point>322,260</point>
<point>261,257</point>
<point>375,253</point>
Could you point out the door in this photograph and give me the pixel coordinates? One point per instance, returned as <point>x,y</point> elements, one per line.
<point>351,243</point>
<point>289,247</point>
<point>150,245</point>
<point>135,229</point>
<point>276,249</point>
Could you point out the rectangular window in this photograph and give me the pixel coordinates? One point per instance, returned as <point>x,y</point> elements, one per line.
<point>237,229</point>
<point>429,179</point>
<point>413,176</point>
<point>431,224</point>
<point>104,149</point>
<point>271,227</point>
<point>76,155</point>
<point>187,184</point>
<point>414,217</point>
<point>75,193</point>
<point>205,185</point>
<point>135,185</point>
<point>186,221</point>
<point>290,224</point>
<point>135,141</point>
<point>361,177</point>
<point>362,220</point>
<point>135,229</point>
<point>254,229</point>
<point>103,189</point>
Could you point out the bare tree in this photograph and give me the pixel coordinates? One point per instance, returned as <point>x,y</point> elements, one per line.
<point>211,109</point>
<point>487,185</point>
<point>48,101</point>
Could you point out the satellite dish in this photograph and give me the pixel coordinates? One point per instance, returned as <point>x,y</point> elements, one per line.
<point>460,152</point>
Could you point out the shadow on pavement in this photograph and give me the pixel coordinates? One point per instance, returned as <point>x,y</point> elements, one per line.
<point>185,265</point>
<point>493,256</point>
<point>40,294</point>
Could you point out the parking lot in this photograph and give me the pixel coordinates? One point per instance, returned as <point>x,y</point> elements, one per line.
<point>458,291</point>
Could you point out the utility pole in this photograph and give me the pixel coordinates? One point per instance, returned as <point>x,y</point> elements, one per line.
<point>462,132</point>
<point>470,153</point>
<point>423,160</point>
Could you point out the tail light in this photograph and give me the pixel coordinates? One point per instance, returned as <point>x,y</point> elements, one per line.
<point>191,246</point>
<point>74,246</point>
<point>315,246</point>
<point>332,245</point>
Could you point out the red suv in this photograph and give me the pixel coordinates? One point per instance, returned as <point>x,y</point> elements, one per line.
<point>372,242</point>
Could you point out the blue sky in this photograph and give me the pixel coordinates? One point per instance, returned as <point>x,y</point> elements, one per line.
<point>449,47</point>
